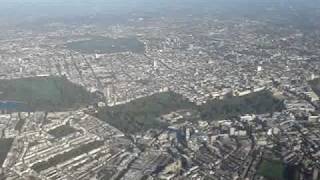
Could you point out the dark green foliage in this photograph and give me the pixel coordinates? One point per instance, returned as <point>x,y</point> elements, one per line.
<point>5,145</point>
<point>271,169</point>
<point>66,156</point>
<point>62,131</point>
<point>254,103</point>
<point>315,85</point>
<point>44,93</point>
<point>19,125</point>
<point>107,45</point>
<point>142,114</point>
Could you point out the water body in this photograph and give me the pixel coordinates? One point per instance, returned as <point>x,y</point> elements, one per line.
<point>12,106</point>
<point>105,45</point>
<point>9,104</point>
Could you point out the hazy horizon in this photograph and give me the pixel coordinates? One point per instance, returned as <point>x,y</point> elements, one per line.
<point>26,12</point>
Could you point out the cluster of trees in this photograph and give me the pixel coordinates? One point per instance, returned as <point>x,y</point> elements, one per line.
<point>272,169</point>
<point>254,103</point>
<point>5,145</point>
<point>315,85</point>
<point>45,93</point>
<point>62,131</point>
<point>142,114</point>
<point>19,124</point>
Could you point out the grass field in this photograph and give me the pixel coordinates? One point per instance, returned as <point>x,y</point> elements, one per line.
<point>44,93</point>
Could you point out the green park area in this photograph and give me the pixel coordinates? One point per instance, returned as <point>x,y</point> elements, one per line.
<point>255,103</point>
<point>44,93</point>
<point>5,145</point>
<point>62,131</point>
<point>104,45</point>
<point>271,170</point>
<point>142,114</point>
<point>315,85</point>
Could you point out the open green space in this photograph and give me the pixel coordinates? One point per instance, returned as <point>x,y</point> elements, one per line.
<point>104,45</point>
<point>142,114</point>
<point>271,170</point>
<point>255,103</point>
<point>44,93</point>
<point>38,167</point>
<point>315,85</point>
<point>19,124</point>
<point>5,145</point>
<point>62,131</point>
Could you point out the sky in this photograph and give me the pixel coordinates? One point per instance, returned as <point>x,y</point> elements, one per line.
<point>21,9</point>
<point>83,7</point>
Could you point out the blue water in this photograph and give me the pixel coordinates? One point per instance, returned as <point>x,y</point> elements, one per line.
<point>10,105</point>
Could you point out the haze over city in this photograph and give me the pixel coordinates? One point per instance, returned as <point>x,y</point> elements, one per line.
<point>160,90</point>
